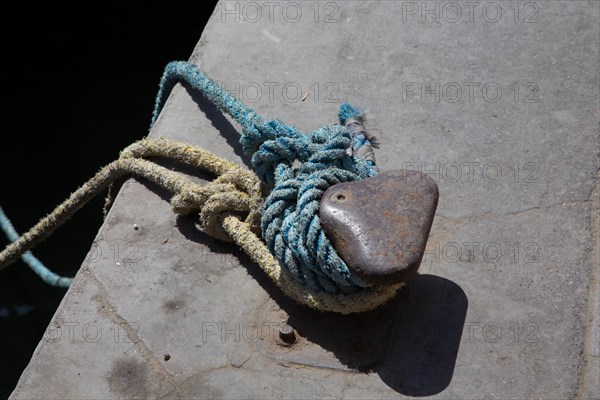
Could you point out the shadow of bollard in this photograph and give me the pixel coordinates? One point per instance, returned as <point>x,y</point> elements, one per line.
<point>411,342</point>
<point>422,353</point>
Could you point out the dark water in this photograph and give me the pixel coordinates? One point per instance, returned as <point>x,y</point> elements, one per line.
<point>76,91</point>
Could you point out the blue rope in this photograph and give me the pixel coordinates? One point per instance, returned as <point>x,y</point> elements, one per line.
<point>28,258</point>
<point>297,168</point>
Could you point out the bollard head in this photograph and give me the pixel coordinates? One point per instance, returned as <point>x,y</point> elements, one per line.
<point>379,226</point>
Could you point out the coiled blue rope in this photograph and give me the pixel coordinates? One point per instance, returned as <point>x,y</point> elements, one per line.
<point>297,168</point>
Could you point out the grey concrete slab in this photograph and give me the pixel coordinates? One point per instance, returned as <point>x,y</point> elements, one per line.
<point>498,101</point>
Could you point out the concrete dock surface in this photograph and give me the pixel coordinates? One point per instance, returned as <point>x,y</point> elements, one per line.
<point>497,101</point>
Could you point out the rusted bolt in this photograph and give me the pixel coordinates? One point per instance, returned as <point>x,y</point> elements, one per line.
<point>287,334</point>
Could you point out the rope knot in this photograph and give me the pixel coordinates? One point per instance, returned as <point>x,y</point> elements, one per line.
<point>236,192</point>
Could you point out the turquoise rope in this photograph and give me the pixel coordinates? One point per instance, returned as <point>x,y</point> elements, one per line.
<point>28,258</point>
<point>297,168</point>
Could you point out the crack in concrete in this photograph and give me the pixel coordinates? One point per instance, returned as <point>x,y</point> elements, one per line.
<point>199,374</point>
<point>137,341</point>
<point>465,218</point>
<point>586,383</point>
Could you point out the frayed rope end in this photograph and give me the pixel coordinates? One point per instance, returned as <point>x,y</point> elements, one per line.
<point>347,111</point>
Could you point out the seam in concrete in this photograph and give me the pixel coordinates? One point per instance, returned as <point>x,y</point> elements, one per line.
<point>591,344</point>
<point>191,377</point>
<point>512,213</point>
<point>133,336</point>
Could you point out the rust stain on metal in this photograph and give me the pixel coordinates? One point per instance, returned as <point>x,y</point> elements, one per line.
<point>379,226</point>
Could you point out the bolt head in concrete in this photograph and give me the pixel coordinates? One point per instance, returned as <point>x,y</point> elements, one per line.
<point>287,334</point>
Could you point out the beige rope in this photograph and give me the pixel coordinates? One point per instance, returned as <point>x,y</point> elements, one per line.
<point>236,191</point>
